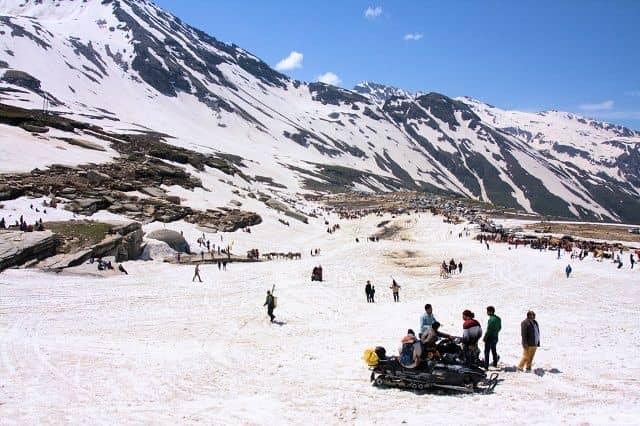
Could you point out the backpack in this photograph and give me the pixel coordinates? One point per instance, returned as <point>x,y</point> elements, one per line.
<point>406,356</point>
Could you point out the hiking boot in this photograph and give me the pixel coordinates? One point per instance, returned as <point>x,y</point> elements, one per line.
<point>495,363</point>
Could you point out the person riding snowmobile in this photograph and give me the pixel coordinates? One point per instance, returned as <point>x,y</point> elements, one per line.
<point>471,334</point>
<point>410,350</point>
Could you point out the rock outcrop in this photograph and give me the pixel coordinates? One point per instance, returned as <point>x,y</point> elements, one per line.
<point>173,239</point>
<point>17,247</point>
<point>124,242</point>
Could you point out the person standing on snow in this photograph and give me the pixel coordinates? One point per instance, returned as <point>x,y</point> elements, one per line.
<point>631,260</point>
<point>471,333</point>
<point>395,288</point>
<point>270,303</point>
<point>530,332</point>
<point>494,325</point>
<point>568,270</point>
<point>427,319</point>
<point>373,294</point>
<point>367,291</point>
<point>196,273</point>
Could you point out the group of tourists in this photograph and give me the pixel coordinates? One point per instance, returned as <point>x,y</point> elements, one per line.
<point>424,344</point>
<point>448,269</point>
<point>333,228</point>
<point>370,291</point>
<point>23,226</point>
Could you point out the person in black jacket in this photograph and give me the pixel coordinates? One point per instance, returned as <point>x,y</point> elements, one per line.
<point>530,332</point>
<point>270,304</point>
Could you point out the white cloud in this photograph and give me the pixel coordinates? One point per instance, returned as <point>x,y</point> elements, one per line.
<point>329,78</point>
<point>413,36</point>
<point>291,62</point>
<point>373,12</point>
<point>602,106</point>
<point>632,93</point>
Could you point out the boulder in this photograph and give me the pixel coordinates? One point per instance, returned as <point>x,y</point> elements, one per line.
<point>153,191</point>
<point>172,238</point>
<point>97,177</point>
<point>174,199</point>
<point>89,205</point>
<point>17,247</point>
<point>34,128</point>
<point>131,207</point>
<point>10,192</point>
<point>62,261</point>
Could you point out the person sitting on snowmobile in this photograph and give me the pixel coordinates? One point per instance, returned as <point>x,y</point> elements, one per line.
<point>431,336</point>
<point>471,334</point>
<point>410,350</point>
<point>429,340</point>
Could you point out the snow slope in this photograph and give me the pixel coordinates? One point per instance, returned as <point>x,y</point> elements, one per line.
<point>153,347</point>
<point>127,65</point>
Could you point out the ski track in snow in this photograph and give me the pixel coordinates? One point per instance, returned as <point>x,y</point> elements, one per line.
<point>152,347</point>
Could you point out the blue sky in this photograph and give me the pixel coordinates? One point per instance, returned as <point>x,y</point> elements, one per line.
<point>580,56</point>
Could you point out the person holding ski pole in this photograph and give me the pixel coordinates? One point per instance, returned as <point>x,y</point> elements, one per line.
<point>270,303</point>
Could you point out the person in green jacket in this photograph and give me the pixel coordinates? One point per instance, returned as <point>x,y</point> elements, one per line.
<point>491,337</point>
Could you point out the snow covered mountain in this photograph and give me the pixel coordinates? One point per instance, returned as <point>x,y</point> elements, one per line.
<point>130,67</point>
<point>380,93</point>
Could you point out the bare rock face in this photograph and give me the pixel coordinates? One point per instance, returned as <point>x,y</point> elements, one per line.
<point>17,248</point>
<point>282,207</point>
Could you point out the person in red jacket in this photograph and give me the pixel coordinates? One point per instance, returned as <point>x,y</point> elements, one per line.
<point>471,334</point>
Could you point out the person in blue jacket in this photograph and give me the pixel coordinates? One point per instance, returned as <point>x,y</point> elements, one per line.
<point>427,319</point>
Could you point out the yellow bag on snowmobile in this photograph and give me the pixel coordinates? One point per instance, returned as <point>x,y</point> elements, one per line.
<point>371,357</point>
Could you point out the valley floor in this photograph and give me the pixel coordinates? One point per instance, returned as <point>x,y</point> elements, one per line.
<point>154,348</point>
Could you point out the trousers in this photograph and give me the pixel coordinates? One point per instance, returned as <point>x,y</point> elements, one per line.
<point>528,352</point>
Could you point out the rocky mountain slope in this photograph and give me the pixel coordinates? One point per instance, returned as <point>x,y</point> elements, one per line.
<point>127,66</point>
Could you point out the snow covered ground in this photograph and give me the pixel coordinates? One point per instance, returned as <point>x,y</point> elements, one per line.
<point>154,348</point>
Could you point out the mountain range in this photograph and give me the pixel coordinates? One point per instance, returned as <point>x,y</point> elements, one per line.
<point>130,67</point>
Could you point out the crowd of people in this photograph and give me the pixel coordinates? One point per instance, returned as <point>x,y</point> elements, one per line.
<point>416,348</point>
<point>22,225</point>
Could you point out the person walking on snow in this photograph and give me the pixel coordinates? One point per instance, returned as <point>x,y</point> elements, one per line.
<point>568,270</point>
<point>270,303</point>
<point>631,260</point>
<point>494,325</point>
<point>396,291</point>
<point>196,273</point>
<point>530,332</point>
<point>373,294</point>
<point>367,291</point>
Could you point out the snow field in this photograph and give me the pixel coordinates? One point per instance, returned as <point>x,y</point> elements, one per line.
<point>152,347</point>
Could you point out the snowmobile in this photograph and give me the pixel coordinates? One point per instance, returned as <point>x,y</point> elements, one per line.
<point>442,368</point>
